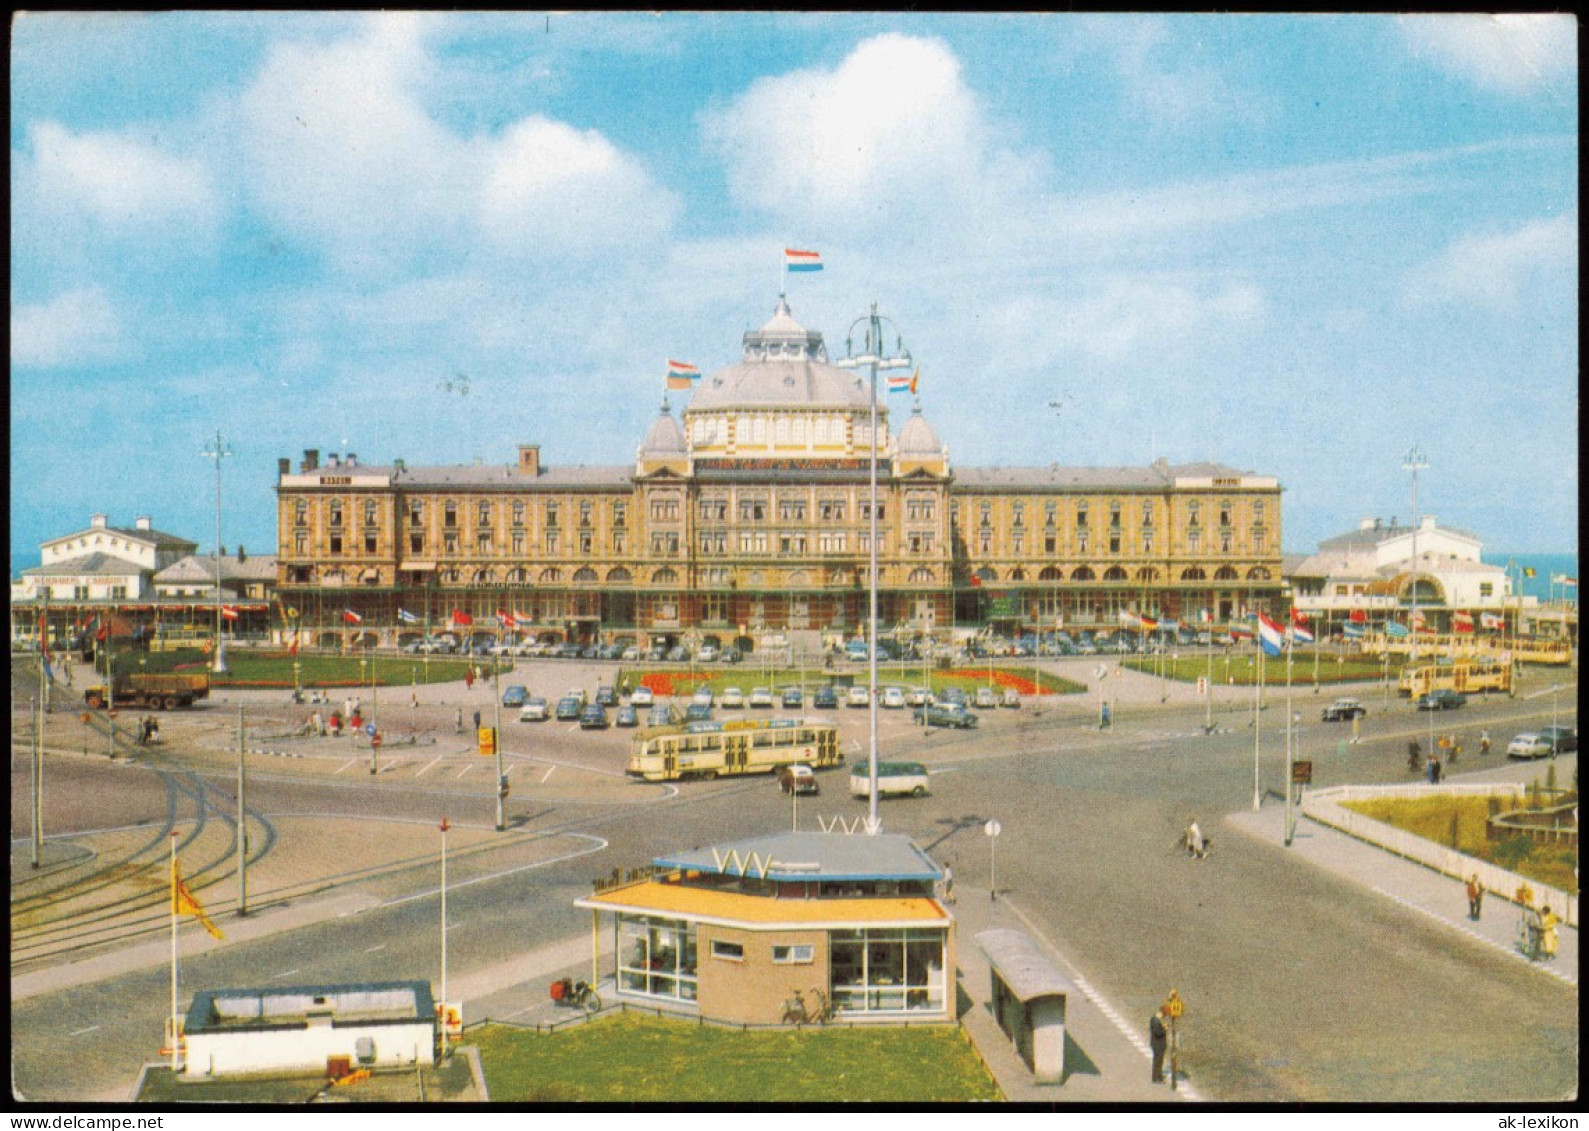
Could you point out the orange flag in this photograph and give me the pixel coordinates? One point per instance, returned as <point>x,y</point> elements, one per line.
<point>183,903</point>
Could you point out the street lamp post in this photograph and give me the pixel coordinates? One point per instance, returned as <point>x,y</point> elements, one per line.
<point>496,740</point>
<point>873,359</point>
<point>218,451</point>
<point>1414,462</point>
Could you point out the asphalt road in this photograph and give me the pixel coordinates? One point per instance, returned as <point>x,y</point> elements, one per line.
<point>1300,987</point>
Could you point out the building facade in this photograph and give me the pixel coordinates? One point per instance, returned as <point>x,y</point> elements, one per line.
<point>747,521</point>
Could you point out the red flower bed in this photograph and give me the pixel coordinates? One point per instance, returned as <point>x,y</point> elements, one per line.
<point>667,683</point>
<point>1004,679</point>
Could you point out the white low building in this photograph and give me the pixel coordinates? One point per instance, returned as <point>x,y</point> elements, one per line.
<point>1372,571</point>
<point>102,563</point>
<point>371,1025</point>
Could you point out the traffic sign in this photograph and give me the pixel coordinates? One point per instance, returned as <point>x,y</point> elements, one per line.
<point>1302,773</point>
<point>369,729</point>
<point>992,828</point>
<point>375,741</point>
<point>1173,1005</point>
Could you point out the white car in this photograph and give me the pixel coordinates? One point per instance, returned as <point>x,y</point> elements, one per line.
<point>707,654</point>
<point>703,697</point>
<point>918,697</point>
<point>985,698</point>
<point>893,698</point>
<point>642,697</point>
<point>858,697</point>
<point>732,697</point>
<point>534,710</point>
<point>760,697</point>
<point>1528,745</point>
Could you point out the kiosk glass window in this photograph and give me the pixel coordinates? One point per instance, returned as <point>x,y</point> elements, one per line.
<point>656,958</point>
<point>889,970</point>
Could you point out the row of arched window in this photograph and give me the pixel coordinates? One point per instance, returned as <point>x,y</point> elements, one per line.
<point>1145,574</point>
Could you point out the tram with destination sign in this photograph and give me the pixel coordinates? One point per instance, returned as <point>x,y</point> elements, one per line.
<point>709,748</point>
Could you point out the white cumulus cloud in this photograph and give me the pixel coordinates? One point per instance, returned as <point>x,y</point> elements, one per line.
<point>894,120</point>
<point>72,328</point>
<point>1493,269</point>
<point>1516,54</point>
<point>346,154</point>
<point>120,180</point>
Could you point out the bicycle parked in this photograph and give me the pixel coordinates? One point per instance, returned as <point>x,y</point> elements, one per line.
<point>574,994</point>
<point>797,1013</point>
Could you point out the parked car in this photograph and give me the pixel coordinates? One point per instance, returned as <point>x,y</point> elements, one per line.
<point>514,695</point>
<point>733,697</point>
<point>703,695</point>
<point>698,712</point>
<point>946,715</point>
<point>825,698</point>
<point>607,696</point>
<point>858,697</point>
<point>679,654</point>
<point>629,654</point>
<point>1561,738</point>
<point>730,656</point>
<point>662,715</point>
<point>760,697</point>
<point>534,710</point>
<point>1343,709</point>
<point>798,778</point>
<point>568,709</point>
<point>985,698</point>
<point>1441,699</point>
<point>1010,698</point>
<point>918,697</point>
<point>642,696</point>
<point>593,717</point>
<point>579,693</point>
<point>893,698</point>
<point>707,654</point>
<point>793,697</point>
<point>1528,745</point>
<point>657,654</point>
<point>627,716</point>
<point>952,696</point>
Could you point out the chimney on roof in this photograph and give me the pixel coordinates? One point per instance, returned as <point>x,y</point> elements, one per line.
<point>311,459</point>
<point>142,522</point>
<point>1368,524</point>
<point>399,466</point>
<point>529,459</point>
<point>242,555</point>
<point>283,466</point>
<point>1428,522</point>
<point>333,460</point>
<point>353,460</point>
<point>96,521</point>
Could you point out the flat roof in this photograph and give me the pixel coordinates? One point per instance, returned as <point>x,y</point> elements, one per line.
<point>1026,970</point>
<point>729,908</point>
<point>221,1010</point>
<point>811,856</point>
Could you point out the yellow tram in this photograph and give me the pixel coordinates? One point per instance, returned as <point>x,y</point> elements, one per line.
<point>1465,676</point>
<point>707,749</point>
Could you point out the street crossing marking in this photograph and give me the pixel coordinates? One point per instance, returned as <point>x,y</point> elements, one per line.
<point>80,1032</point>
<point>345,765</point>
<point>462,772</point>
<point>1504,948</point>
<point>438,758</point>
<point>284,974</point>
<point>550,770</point>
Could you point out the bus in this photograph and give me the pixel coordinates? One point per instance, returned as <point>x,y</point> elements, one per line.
<point>707,748</point>
<point>1465,676</point>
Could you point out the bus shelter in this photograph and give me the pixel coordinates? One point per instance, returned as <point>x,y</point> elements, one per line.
<point>1029,996</point>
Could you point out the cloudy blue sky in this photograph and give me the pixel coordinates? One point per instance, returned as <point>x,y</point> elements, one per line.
<point>1295,245</point>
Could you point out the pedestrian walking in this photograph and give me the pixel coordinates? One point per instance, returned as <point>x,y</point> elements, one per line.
<point>1432,771</point>
<point>468,678</point>
<point>948,884</point>
<point>1475,896</point>
<point>477,720</point>
<point>1484,743</point>
<point>457,723</point>
<point>1159,1040</point>
<point>1196,847</point>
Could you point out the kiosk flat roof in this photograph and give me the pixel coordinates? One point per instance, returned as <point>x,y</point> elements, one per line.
<point>825,857</point>
<point>650,897</point>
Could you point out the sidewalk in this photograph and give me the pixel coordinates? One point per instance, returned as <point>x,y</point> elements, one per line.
<point>1439,898</point>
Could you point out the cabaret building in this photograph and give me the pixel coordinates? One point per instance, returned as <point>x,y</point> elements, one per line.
<point>746,520</point>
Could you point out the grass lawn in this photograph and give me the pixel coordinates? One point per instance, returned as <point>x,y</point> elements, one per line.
<point>1242,669</point>
<point>681,682</point>
<point>632,1058</point>
<point>251,668</point>
<point>1459,822</point>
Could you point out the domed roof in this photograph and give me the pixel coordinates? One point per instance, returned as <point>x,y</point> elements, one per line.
<point>917,438</point>
<point>783,365</point>
<point>665,437</point>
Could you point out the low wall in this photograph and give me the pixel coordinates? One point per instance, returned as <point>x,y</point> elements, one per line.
<point>1327,807</point>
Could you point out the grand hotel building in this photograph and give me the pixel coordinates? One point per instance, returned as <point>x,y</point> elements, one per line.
<point>748,522</point>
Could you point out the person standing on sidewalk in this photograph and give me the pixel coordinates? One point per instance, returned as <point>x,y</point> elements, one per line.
<point>1548,941</point>
<point>457,722</point>
<point>1475,896</point>
<point>1159,1040</point>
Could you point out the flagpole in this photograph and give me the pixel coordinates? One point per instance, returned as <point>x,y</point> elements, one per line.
<point>173,1037</point>
<point>1291,647</point>
<point>1257,797</point>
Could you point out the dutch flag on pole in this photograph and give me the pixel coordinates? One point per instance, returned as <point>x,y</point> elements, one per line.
<point>801,260</point>
<point>1271,637</point>
<point>903,383</point>
<point>681,374</point>
<point>1299,627</point>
